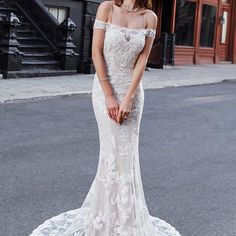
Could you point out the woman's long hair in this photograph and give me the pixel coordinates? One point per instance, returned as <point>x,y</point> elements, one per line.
<point>141,3</point>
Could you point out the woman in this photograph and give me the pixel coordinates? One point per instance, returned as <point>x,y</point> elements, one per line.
<point>124,31</point>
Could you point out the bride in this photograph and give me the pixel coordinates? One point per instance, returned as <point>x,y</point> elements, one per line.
<point>115,205</point>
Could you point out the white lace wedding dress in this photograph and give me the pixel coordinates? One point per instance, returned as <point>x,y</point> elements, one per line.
<point>115,204</point>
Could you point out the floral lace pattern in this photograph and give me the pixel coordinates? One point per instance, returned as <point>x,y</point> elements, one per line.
<point>99,24</point>
<point>115,204</point>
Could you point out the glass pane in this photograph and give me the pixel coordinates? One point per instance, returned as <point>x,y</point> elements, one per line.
<point>208,26</point>
<point>224,27</point>
<point>53,11</point>
<point>184,25</point>
<point>61,15</point>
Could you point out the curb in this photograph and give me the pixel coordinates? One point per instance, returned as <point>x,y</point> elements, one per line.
<point>88,93</point>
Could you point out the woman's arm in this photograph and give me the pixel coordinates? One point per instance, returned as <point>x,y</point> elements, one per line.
<point>142,59</point>
<point>112,105</point>
<point>125,106</point>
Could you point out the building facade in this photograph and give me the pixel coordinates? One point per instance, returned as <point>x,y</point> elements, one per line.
<point>205,30</point>
<point>56,35</point>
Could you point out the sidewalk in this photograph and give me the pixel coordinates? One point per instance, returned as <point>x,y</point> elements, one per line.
<point>34,88</point>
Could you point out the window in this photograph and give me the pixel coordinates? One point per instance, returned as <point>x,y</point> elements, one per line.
<point>60,13</point>
<point>185,19</point>
<point>224,27</point>
<point>208,26</point>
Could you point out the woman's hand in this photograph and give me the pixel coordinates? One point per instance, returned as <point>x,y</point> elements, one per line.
<point>112,106</point>
<point>124,110</point>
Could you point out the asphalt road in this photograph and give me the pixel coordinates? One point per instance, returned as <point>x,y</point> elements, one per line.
<point>49,153</point>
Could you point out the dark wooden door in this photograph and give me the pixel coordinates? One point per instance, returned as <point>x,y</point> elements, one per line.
<point>164,12</point>
<point>155,54</point>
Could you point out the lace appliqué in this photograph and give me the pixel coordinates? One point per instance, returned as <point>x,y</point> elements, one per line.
<point>98,24</point>
<point>151,33</point>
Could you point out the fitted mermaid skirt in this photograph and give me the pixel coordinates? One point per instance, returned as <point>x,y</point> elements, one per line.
<point>115,204</point>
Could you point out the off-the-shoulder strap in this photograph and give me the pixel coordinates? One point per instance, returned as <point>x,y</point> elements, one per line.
<point>99,24</point>
<point>150,32</point>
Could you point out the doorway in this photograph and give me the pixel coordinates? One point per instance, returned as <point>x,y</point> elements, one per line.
<point>164,11</point>
<point>167,16</point>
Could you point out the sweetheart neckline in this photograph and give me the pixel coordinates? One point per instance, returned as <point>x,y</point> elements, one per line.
<point>124,27</point>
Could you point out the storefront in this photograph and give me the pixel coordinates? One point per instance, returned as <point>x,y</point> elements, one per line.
<point>205,29</point>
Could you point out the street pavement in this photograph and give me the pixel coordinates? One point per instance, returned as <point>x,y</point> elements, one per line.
<point>49,152</point>
<point>35,88</point>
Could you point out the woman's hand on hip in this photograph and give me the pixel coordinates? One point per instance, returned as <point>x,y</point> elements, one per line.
<point>112,106</point>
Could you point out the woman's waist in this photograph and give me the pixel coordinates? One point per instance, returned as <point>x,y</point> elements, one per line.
<point>118,79</point>
<point>120,84</point>
<point>119,76</point>
<point>115,70</point>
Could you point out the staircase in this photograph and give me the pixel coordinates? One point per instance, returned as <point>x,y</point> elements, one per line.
<point>38,54</point>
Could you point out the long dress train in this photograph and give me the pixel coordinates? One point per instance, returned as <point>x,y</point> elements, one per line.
<point>115,204</point>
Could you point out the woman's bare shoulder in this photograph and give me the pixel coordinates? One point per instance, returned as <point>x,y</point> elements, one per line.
<point>106,5</point>
<point>151,19</point>
<point>151,14</point>
<point>103,10</point>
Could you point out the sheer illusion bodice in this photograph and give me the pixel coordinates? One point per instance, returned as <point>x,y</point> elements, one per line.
<point>115,204</point>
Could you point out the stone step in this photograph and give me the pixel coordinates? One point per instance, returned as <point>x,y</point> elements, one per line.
<point>30,40</point>
<point>27,33</point>
<point>33,48</point>
<point>8,9</point>
<point>26,24</point>
<point>28,46</point>
<point>44,64</point>
<point>39,56</point>
<point>2,15</point>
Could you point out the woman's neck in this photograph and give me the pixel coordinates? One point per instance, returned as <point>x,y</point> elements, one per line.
<point>131,4</point>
